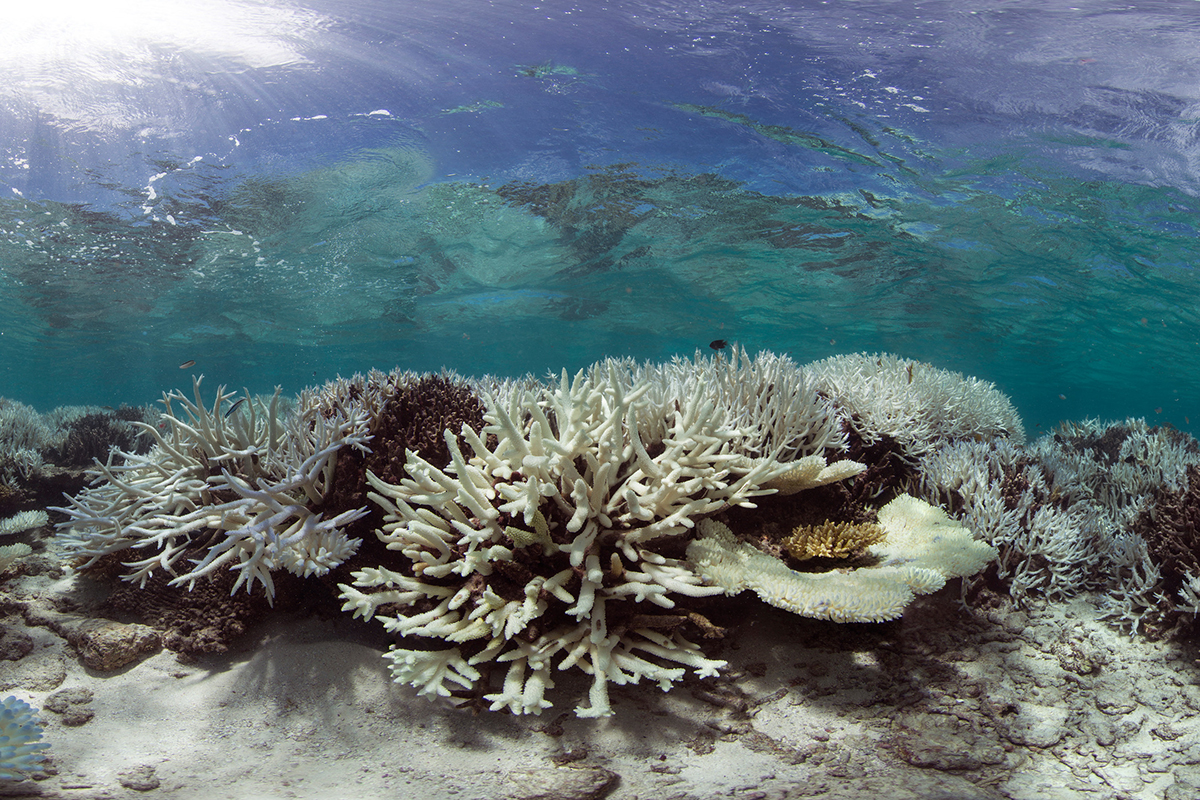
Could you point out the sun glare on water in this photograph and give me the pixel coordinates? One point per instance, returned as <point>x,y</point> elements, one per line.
<point>96,63</point>
<point>256,34</point>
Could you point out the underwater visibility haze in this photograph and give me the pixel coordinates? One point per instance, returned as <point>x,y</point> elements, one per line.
<point>281,192</point>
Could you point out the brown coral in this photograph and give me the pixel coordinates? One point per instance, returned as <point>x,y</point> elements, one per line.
<point>832,539</point>
<point>1171,528</point>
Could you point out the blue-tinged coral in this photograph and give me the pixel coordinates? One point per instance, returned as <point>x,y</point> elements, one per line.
<point>21,748</point>
<point>226,487</point>
<point>1091,506</point>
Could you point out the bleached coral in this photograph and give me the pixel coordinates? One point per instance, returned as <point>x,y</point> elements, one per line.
<point>21,748</point>
<point>922,548</point>
<point>1047,544</point>
<point>232,484</point>
<point>768,398</point>
<point>1062,511</point>
<point>1115,465</point>
<point>544,543</point>
<point>9,554</point>
<point>916,404</point>
<point>810,472</point>
<point>23,521</point>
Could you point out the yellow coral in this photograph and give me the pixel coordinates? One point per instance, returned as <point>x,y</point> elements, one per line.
<point>832,539</point>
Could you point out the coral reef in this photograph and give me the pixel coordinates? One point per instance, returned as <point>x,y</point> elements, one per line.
<point>563,518</point>
<point>1170,528</point>
<point>20,735</point>
<point>1077,511</point>
<point>24,435</point>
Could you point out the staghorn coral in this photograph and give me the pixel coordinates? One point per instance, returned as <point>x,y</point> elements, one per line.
<point>918,405</point>
<point>1092,506</point>
<point>553,534</point>
<point>775,402</point>
<point>921,549</point>
<point>832,539</point>
<point>232,478</point>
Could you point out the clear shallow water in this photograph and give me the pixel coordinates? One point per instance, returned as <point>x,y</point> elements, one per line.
<point>288,192</point>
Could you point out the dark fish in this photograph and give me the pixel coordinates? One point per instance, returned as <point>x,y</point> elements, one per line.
<point>187,364</point>
<point>236,403</point>
<point>718,344</point>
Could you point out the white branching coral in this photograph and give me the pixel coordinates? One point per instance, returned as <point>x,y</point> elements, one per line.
<point>23,522</point>
<point>226,487</point>
<point>916,404</point>
<point>772,401</point>
<point>921,550</point>
<point>550,537</point>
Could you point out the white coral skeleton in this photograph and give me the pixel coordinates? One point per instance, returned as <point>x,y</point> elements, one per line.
<point>231,479</point>
<point>549,543</point>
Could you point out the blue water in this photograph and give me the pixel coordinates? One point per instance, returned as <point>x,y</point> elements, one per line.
<point>283,193</point>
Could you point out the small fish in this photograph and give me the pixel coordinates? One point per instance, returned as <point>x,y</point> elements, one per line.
<point>718,344</point>
<point>187,364</point>
<point>1062,397</point>
<point>236,403</point>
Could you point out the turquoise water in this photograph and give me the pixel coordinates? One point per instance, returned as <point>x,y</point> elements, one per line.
<point>284,194</point>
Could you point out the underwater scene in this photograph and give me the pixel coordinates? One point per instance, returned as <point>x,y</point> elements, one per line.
<point>562,401</point>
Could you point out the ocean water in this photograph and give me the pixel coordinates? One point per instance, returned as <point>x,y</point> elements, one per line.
<point>284,192</point>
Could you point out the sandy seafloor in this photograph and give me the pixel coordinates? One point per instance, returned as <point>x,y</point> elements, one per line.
<point>944,704</point>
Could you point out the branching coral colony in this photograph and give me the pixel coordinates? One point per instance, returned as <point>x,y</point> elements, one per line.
<point>553,541</point>
<point>561,534</point>
<point>227,487</point>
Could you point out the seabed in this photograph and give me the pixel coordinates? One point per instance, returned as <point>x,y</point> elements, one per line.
<point>946,702</point>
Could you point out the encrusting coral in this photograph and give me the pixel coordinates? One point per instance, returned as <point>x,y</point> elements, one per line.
<point>550,534</point>
<point>233,480</point>
<point>921,549</point>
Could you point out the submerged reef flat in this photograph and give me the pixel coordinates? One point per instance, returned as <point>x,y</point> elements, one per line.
<point>848,577</point>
